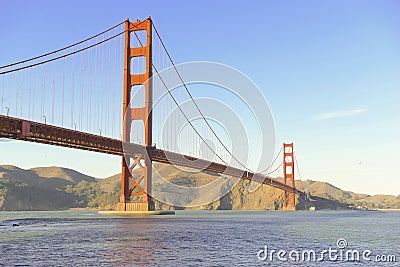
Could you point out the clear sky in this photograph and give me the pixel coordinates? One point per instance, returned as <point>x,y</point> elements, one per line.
<point>329,70</point>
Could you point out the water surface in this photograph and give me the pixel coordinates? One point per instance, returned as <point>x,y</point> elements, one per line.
<point>192,238</point>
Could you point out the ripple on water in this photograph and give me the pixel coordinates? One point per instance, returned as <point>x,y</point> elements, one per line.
<point>188,238</point>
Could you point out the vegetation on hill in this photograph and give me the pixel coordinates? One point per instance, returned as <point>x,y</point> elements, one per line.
<point>90,195</point>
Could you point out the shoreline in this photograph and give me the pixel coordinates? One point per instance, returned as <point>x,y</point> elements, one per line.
<point>389,209</point>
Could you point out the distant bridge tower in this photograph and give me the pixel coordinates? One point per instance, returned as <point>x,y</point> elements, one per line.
<point>137,169</point>
<point>288,176</point>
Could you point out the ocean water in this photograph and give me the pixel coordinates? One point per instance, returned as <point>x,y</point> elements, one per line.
<point>200,238</point>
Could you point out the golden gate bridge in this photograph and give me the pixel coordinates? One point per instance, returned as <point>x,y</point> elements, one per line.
<point>72,97</point>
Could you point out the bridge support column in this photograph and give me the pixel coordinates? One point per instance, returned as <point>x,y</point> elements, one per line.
<point>137,169</point>
<point>288,177</point>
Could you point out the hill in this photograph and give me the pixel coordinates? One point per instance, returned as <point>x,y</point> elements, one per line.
<point>55,188</point>
<point>328,191</point>
<point>50,188</point>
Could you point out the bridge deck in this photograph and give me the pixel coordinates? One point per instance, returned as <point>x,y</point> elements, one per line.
<point>20,129</point>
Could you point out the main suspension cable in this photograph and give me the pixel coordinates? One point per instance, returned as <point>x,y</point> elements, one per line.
<point>67,54</point>
<point>197,107</point>
<point>273,162</point>
<point>298,171</point>
<point>180,108</point>
<point>61,49</point>
<point>62,56</point>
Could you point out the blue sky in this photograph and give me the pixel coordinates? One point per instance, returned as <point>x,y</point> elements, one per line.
<point>329,70</point>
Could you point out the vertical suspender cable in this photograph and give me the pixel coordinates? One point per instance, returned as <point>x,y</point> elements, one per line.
<point>10,95</point>
<point>16,94</point>
<point>103,87</point>
<point>98,77</point>
<point>30,93</point>
<point>22,93</point>
<point>62,93</point>
<point>89,66</point>
<point>43,92</point>
<point>95,94</point>
<point>108,87</point>
<point>2,95</point>
<point>114,87</point>
<point>33,93</point>
<point>82,95</point>
<point>101,120</point>
<point>122,75</point>
<point>73,92</point>
<point>54,92</point>
<point>298,171</point>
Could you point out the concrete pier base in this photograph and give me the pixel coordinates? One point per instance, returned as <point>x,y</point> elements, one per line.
<point>290,209</point>
<point>135,206</point>
<point>136,213</point>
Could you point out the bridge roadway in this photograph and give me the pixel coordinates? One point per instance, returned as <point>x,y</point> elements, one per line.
<point>19,129</point>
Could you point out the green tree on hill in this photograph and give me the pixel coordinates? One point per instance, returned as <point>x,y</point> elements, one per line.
<point>89,194</point>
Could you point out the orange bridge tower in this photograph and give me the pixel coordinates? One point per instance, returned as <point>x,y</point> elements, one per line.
<point>137,169</point>
<point>288,176</point>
